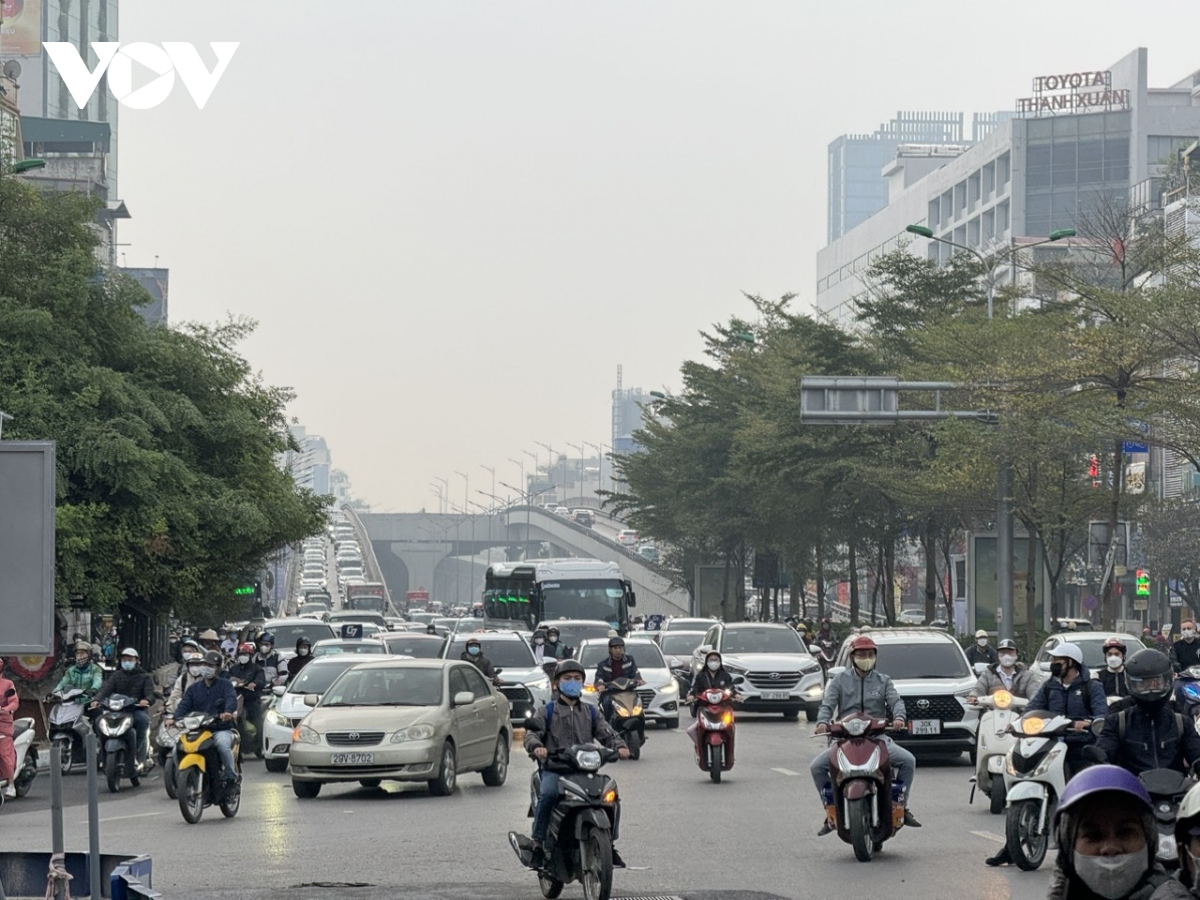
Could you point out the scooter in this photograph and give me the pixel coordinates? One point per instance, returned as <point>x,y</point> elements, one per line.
<point>1034,778</point>
<point>825,651</point>
<point>165,741</point>
<point>68,725</point>
<point>1166,788</point>
<point>993,741</point>
<point>1187,692</point>
<point>578,843</point>
<point>245,726</point>
<point>626,717</point>
<point>865,802</point>
<point>712,732</point>
<point>199,779</point>
<point>119,755</point>
<point>26,753</point>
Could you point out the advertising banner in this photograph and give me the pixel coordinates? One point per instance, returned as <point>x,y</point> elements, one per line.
<point>20,28</point>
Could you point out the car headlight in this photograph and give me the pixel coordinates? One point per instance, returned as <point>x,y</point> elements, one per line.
<point>275,717</point>
<point>304,734</point>
<point>671,687</point>
<point>736,669</point>
<point>413,733</point>
<point>539,684</point>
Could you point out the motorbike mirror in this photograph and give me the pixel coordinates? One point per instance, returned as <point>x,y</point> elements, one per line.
<point>464,698</point>
<point>498,670</point>
<point>980,668</point>
<point>312,699</point>
<point>278,690</point>
<point>834,671</point>
<point>1097,729</point>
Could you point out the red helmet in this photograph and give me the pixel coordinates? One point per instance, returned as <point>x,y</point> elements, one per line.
<point>862,642</point>
<point>246,648</point>
<point>1114,643</point>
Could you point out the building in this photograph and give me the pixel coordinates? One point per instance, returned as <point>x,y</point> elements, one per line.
<point>155,282</point>
<point>11,146</point>
<point>1077,140</point>
<point>627,415</point>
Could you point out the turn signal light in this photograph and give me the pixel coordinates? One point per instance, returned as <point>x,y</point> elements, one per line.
<point>296,735</point>
<point>727,718</point>
<point>610,797</point>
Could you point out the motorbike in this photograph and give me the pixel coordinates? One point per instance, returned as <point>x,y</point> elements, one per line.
<point>626,717</point>
<point>25,768</point>
<point>245,726</point>
<point>119,746</point>
<point>1186,692</point>
<point>712,732</point>
<point>1166,788</point>
<point>1034,778</point>
<point>578,843</point>
<point>165,741</point>
<point>199,780</point>
<point>68,725</point>
<point>825,651</point>
<point>865,801</point>
<point>994,739</point>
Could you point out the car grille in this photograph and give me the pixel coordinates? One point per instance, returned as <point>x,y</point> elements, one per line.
<point>948,709</point>
<point>646,697</point>
<point>354,738</point>
<point>516,693</point>
<point>774,681</point>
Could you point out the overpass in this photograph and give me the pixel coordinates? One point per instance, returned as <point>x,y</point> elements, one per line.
<point>449,554</point>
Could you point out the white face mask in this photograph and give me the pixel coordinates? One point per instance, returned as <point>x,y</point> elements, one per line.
<point>303,651</point>
<point>1008,660</point>
<point>243,659</point>
<point>195,671</point>
<point>1188,634</point>
<point>537,642</point>
<point>208,672</point>
<point>1112,876</point>
<point>1115,661</point>
<point>713,665</point>
<point>982,642</point>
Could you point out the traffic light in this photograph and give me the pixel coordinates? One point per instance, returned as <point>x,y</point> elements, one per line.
<point>1143,583</point>
<point>1094,470</point>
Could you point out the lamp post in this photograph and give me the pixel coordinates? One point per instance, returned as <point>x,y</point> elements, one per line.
<point>520,464</point>
<point>578,447</point>
<point>599,448</point>
<point>489,524</point>
<point>445,492</point>
<point>536,465</point>
<point>549,460</point>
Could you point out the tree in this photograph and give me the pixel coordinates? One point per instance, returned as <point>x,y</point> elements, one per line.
<point>1171,537</point>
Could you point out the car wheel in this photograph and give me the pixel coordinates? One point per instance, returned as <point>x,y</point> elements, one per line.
<point>671,723</point>
<point>306,790</point>
<point>812,712</point>
<point>276,764</point>
<point>791,714</point>
<point>495,774</point>
<point>447,777</point>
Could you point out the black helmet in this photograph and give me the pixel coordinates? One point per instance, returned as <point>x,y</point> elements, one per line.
<point>568,665</point>
<point>616,642</point>
<point>213,658</point>
<point>303,641</point>
<point>1149,673</point>
<point>1007,644</point>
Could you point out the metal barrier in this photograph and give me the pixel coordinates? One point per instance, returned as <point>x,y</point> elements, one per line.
<point>24,874</point>
<point>131,881</point>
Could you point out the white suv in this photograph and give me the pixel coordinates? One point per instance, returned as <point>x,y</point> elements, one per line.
<point>931,672</point>
<point>781,675</point>
<point>659,695</point>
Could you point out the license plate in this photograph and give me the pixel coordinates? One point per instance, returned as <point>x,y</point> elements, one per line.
<point>775,695</point>
<point>925,726</point>
<point>351,759</point>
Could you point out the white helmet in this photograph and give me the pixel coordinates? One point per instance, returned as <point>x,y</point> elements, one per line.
<point>129,651</point>
<point>1067,650</point>
<point>1187,821</point>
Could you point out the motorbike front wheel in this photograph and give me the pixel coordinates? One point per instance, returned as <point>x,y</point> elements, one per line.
<point>596,863</point>
<point>859,815</point>
<point>999,795</point>
<point>1026,847</point>
<point>112,770</point>
<point>634,741</point>
<point>716,762</point>
<point>66,754</point>
<point>170,770</point>
<point>231,800</point>
<point>551,887</point>
<point>190,791</point>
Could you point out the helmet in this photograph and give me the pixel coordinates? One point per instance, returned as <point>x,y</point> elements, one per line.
<point>711,653</point>
<point>802,628</point>
<point>473,640</point>
<point>1149,674</point>
<point>1188,820</point>
<point>266,637</point>
<point>303,641</point>
<point>209,635</point>
<point>981,633</point>
<point>83,647</point>
<point>190,643</point>
<point>568,665</point>
<point>862,642</point>
<point>247,647</point>
<point>129,651</point>
<point>1097,779</point>
<point>551,630</point>
<point>1114,643</point>
<point>1007,644</point>
<point>213,658</point>
<point>616,642</point>
<point>1067,650</point>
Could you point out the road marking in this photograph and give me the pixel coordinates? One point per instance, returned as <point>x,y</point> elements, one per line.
<point>987,835</point>
<point>785,771</point>
<point>118,818</point>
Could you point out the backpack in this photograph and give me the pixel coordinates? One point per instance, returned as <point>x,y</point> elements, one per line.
<point>1121,719</point>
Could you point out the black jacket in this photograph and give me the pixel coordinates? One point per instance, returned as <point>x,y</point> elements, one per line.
<point>1116,684</point>
<point>705,679</point>
<point>977,654</point>
<point>572,723</point>
<point>605,672</point>
<point>138,684</point>
<point>558,650</point>
<point>1082,699</point>
<point>1185,655</point>
<point>481,662</point>
<point>250,673</point>
<point>1154,739</point>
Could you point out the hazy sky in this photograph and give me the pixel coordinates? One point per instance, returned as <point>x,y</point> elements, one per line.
<point>453,220</point>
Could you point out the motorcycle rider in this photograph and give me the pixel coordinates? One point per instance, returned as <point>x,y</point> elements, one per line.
<point>1107,840</point>
<point>713,675</point>
<point>189,676</point>
<point>210,640</point>
<point>189,649</point>
<point>618,665</point>
<point>230,644</point>
<point>1151,734</point>
<point>1185,652</point>
<point>571,723</point>
<point>1007,675</point>
<point>1187,840</point>
<point>302,658</point>
<point>84,675</point>
<point>980,652</point>
<point>1070,691</point>
<point>213,696</point>
<point>274,669</point>
<point>252,677</point>
<point>8,752</point>
<point>1114,677</point>
<point>862,688</point>
<point>132,681</point>
<point>539,647</point>
<point>555,649</point>
<point>473,653</point>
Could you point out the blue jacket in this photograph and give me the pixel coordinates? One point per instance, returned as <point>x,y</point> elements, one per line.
<point>219,697</point>
<point>1083,698</point>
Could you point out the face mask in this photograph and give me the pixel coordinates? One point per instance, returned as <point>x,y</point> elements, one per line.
<point>195,671</point>
<point>537,642</point>
<point>1115,661</point>
<point>552,638</point>
<point>1111,876</point>
<point>1057,669</point>
<point>864,665</point>
<point>1188,635</point>
<point>982,642</point>
<point>127,665</point>
<point>1008,661</point>
<point>243,659</point>
<point>570,688</point>
<point>474,651</point>
<point>83,663</point>
<point>264,649</point>
<point>303,651</point>
<point>208,673</point>
<point>713,665</point>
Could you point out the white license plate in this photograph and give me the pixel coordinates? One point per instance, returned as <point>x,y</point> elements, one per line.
<point>775,695</point>
<point>925,726</point>
<point>351,759</point>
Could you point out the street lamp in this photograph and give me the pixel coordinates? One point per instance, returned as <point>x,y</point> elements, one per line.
<point>550,459</point>
<point>520,464</point>
<point>599,448</point>
<point>578,447</point>
<point>445,492</point>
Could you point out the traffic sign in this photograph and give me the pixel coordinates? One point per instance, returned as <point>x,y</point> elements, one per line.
<point>1090,602</point>
<point>1141,603</point>
<point>1134,447</point>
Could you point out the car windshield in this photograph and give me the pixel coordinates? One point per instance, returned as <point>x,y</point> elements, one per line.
<point>349,647</point>
<point>287,635</point>
<point>761,640</point>
<point>681,644</point>
<point>316,679</point>
<point>644,653</point>
<point>923,660</point>
<point>405,645</point>
<point>514,654</point>
<point>688,625</point>
<point>386,687</point>
<point>584,599</point>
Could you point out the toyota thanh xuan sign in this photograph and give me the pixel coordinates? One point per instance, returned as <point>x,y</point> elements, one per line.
<point>1074,92</point>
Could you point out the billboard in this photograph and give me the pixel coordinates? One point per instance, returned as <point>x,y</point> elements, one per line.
<point>27,547</point>
<point>20,28</point>
<point>983,598</point>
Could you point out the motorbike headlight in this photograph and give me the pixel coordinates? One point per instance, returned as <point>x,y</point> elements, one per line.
<point>275,717</point>
<point>413,733</point>
<point>588,760</point>
<point>304,734</point>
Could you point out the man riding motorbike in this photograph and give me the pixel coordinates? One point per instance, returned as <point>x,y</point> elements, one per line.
<point>1113,676</point>
<point>302,658</point>
<point>132,681</point>
<point>618,665</point>
<point>1070,691</point>
<point>84,675</point>
<point>861,688</point>
<point>1150,734</point>
<point>473,653</point>
<point>210,640</point>
<point>1007,675</point>
<point>1187,841</point>
<point>555,649</point>
<point>1185,652</point>
<point>572,722</point>
<point>252,677</point>
<point>274,669</point>
<point>980,652</point>
<point>8,752</point>
<point>213,696</point>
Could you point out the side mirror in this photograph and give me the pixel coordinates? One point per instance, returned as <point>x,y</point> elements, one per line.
<point>278,690</point>
<point>498,670</point>
<point>312,699</point>
<point>980,668</point>
<point>632,599</point>
<point>464,698</point>
<point>702,650</point>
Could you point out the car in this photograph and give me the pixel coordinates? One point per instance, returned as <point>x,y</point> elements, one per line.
<point>357,615</point>
<point>288,631</point>
<point>522,680</point>
<point>421,616</point>
<point>627,537</point>
<point>289,709</point>
<point>314,609</point>
<point>659,695</point>
<point>583,517</point>
<point>335,646</point>
<point>911,617</point>
<point>427,720</point>
<point>648,552</point>
<point>781,675</point>
<point>683,623</point>
<point>1075,625</point>
<point>561,511</point>
<point>1090,643</point>
<point>418,646</point>
<point>308,584</point>
<point>931,672</point>
<point>573,632</point>
<point>677,648</point>
<point>455,624</point>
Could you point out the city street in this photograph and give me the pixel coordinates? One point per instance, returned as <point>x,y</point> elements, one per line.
<point>681,834</point>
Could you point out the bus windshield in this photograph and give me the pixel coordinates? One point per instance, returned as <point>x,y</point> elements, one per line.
<point>602,599</point>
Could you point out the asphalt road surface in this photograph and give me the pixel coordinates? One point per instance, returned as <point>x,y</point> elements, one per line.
<point>682,835</point>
